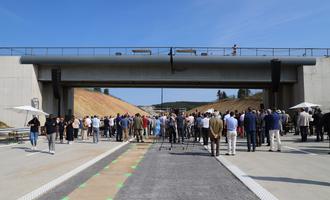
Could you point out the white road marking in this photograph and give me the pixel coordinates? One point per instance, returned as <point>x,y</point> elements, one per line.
<point>8,145</point>
<point>38,151</point>
<point>306,152</point>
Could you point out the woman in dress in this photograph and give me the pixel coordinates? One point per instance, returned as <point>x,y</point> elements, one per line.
<point>157,127</point>
<point>69,132</point>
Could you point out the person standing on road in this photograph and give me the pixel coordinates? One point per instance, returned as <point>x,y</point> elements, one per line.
<point>216,126</point>
<point>250,122</point>
<point>206,126</point>
<point>232,124</point>
<point>138,126</point>
<point>112,126</point>
<point>84,129</point>
<point>75,125</point>
<point>34,132</point>
<point>106,123</point>
<point>89,124</point>
<point>172,128</point>
<point>145,126</point>
<point>180,121</point>
<point>119,132</point>
<point>69,131</point>
<point>61,128</point>
<point>50,126</point>
<point>157,127</point>
<point>303,123</point>
<point>96,129</point>
<point>274,130</point>
<point>318,124</point>
<point>124,123</point>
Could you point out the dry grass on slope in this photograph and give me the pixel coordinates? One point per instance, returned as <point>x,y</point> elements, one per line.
<point>230,104</point>
<point>95,103</point>
<point>3,125</point>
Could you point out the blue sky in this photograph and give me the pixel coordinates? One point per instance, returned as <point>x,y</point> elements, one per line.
<point>249,23</point>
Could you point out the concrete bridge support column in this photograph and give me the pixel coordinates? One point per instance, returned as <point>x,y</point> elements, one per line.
<point>51,105</point>
<point>67,99</point>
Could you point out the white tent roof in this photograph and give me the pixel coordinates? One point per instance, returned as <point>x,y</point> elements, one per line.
<point>305,105</point>
<point>28,110</point>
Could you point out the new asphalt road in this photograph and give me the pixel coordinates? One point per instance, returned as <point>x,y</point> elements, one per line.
<point>189,173</point>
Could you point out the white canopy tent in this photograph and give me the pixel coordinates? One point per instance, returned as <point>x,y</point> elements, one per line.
<point>305,105</point>
<point>28,110</point>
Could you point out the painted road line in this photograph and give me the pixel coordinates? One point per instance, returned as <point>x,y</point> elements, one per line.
<point>295,149</point>
<point>257,189</point>
<point>47,187</point>
<point>112,180</point>
<point>8,145</point>
<point>38,151</point>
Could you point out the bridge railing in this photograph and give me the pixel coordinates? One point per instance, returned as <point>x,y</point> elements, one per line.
<point>156,51</point>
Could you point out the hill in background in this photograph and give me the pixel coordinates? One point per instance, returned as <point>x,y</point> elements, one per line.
<point>87,102</point>
<point>180,104</point>
<point>3,125</point>
<point>232,104</point>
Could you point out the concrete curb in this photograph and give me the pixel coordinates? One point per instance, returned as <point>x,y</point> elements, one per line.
<point>47,187</point>
<point>257,189</point>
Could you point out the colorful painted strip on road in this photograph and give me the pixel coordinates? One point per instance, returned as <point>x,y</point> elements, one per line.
<point>105,184</point>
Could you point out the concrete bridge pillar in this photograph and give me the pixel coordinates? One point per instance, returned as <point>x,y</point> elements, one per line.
<point>62,106</point>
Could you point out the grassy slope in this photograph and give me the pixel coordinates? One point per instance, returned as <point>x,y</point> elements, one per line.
<point>94,103</point>
<point>232,104</point>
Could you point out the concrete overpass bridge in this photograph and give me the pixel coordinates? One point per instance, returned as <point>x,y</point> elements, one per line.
<point>288,76</point>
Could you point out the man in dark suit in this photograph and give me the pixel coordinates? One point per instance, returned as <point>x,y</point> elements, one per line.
<point>250,121</point>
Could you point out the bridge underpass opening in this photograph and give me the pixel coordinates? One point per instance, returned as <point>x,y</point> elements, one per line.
<point>110,101</point>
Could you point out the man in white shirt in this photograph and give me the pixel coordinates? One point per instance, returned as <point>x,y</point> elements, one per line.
<point>96,129</point>
<point>303,123</point>
<point>231,134</point>
<point>112,125</point>
<point>205,129</point>
<point>88,122</point>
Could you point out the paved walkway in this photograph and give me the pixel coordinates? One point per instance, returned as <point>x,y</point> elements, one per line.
<point>300,171</point>
<point>23,171</point>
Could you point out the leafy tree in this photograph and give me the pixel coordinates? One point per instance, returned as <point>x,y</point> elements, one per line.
<point>106,91</point>
<point>242,93</point>
<point>97,89</point>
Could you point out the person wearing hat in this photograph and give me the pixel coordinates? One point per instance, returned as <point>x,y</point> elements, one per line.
<point>216,126</point>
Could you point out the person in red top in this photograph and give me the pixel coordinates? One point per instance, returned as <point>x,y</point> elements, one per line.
<point>145,126</point>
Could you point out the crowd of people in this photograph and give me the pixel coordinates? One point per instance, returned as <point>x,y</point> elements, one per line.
<point>257,126</point>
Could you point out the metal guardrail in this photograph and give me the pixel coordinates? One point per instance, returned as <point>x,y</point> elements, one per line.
<point>156,51</point>
<point>14,134</point>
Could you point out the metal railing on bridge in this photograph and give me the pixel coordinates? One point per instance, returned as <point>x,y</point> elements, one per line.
<point>156,51</point>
